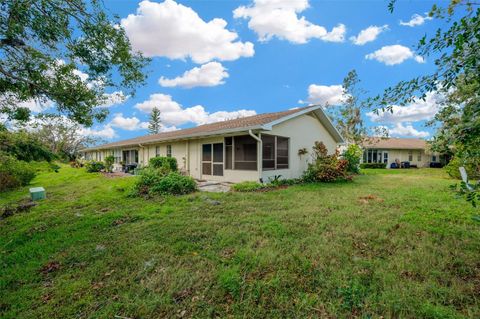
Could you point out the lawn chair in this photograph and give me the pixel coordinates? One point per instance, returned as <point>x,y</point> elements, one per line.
<point>463,173</point>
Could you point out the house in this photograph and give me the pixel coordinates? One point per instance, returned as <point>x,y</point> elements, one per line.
<point>254,148</point>
<point>397,150</point>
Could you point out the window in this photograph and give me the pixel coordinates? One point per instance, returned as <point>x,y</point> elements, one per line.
<point>157,151</point>
<point>274,152</point>
<point>375,156</point>
<point>228,152</point>
<point>245,153</point>
<point>419,157</point>
<point>410,156</point>
<point>434,158</point>
<point>130,157</point>
<point>169,150</point>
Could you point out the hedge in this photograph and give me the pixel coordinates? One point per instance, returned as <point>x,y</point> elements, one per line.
<point>373,165</point>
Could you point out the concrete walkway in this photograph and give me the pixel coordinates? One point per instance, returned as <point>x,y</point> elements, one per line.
<point>214,187</point>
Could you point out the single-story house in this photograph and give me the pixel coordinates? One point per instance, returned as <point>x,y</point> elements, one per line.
<point>398,150</point>
<point>253,148</point>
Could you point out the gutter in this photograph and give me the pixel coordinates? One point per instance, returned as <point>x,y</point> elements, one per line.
<point>259,152</point>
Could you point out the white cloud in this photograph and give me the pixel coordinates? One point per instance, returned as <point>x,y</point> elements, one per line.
<point>172,113</point>
<point>393,54</point>
<point>325,94</point>
<point>175,31</point>
<point>279,18</point>
<point>127,123</point>
<point>117,97</point>
<point>418,110</point>
<point>106,132</point>
<point>369,34</point>
<point>406,131</point>
<point>210,74</point>
<point>416,20</point>
<point>34,105</point>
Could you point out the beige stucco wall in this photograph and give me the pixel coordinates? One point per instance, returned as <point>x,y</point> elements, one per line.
<point>303,132</point>
<point>402,155</point>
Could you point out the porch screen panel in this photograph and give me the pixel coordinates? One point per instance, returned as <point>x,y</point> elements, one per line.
<point>245,153</point>
<point>207,159</point>
<point>228,152</point>
<point>218,159</point>
<point>268,152</point>
<point>282,152</point>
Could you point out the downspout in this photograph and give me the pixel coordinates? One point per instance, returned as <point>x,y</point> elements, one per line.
<point>143,152</point>
<point>259,152</point>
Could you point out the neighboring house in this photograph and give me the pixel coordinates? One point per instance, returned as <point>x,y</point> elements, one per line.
<point>250,148</point>
<point>391,150</point>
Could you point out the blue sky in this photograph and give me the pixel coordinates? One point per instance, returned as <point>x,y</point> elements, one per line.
<point>263,56</point>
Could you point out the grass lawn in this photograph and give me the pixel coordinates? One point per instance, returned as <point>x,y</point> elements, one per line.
<point>391,243</point>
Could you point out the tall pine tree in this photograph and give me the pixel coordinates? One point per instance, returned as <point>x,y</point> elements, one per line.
<point>155,123</point>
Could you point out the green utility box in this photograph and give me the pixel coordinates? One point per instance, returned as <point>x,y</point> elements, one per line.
<point>37,193</point>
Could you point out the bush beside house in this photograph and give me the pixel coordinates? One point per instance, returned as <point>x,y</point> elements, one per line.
<point>373,165</point>
<point>326,168</point>
<point>161,178</point>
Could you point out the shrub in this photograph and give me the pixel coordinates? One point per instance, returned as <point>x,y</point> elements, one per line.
<point>325,168</point>
<point>14,173</point>
<point>247,186</point>
<point>373,165</point>
<point>452,168</point>
<point>352,155</point>
<point>94,166</point>
<point>162,181</point>
<point>166,162</point>
<point>109,160</point>
<point>175,184</point>
<point>24,146</point>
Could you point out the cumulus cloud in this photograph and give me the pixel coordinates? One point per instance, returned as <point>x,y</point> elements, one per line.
<point>325,94</point>
<point>415,20</point>
<point>127,123</point>
<point>401,130</point>
<point>210,74</point>
<point>369,34</point>
<point>393,54</point>
<point>174,114</point>
<point>418,110</point>
<point>111,99</point>
<point>279,18</point>
<point>106,132</point>
<point>175,31</point>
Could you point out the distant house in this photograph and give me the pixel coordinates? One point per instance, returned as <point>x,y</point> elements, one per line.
<point>397,150</point>
<point>250,148</point>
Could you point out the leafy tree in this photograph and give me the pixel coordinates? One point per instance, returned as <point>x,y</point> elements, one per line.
<point>348,117</point>
<point>43,44</point>
<point>61,135</point>
<point>457,58</point>
<point>24,146</point>
<point>155,124</point>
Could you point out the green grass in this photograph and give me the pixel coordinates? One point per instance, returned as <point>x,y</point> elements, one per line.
<point>391,243</point>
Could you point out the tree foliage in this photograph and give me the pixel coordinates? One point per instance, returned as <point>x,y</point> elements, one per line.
<point>348,115</point>
<point>44,43</point>
<point>155,124</point>
<point>62,136</point>
<point>456,51</point>
<point>24,146</point>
